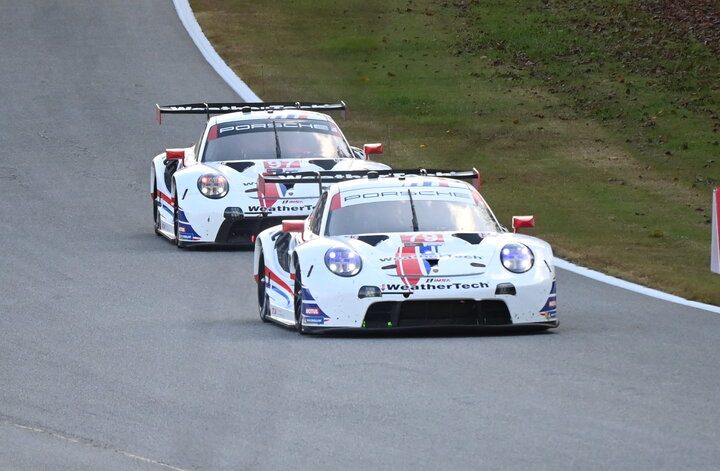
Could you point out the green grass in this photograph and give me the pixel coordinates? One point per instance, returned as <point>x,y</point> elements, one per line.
<point>591,115</point>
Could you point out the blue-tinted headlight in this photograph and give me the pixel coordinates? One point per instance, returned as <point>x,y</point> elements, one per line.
<point>343,261</point>
<point>517,258</point>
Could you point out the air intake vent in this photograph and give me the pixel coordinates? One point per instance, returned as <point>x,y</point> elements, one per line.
<point>373,239</point>
<point>325,164</point>
<point>239,166</point>
<point>469,237</point>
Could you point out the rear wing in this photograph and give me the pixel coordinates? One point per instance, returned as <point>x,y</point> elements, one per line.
<point>334,176</point>
<point>209,109</point>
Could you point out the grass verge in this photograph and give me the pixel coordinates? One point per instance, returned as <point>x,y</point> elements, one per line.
<point>597,117</point>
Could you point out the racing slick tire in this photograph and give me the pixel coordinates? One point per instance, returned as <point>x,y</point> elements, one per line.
<point>176,222</point>
<point>263,299</point>
<point>297,300</point>
<point>156,212</point>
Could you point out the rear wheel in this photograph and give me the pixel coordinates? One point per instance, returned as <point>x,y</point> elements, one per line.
<point>176,218</point>
<point>156,212</point>
<point>297,291</point>
<point>263,298</point>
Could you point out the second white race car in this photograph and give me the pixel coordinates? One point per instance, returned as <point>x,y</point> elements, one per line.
<point>394,250</point>
<point>213,192</point>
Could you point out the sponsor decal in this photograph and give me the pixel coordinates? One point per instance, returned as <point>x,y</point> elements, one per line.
<point>426,286</point>
<point>431,257</point>
<point>279,125</point>
<point>270,209</point>
<point>185,230</point>
<point>549,311</point>
<point>389,194</point>
<point>311,312</point>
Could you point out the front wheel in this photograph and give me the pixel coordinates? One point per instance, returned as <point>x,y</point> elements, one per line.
<point>297,291</point>
<point>263,298</point>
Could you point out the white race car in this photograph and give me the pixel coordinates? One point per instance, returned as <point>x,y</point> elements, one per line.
<point>209,193</point>
<point>394,250</point>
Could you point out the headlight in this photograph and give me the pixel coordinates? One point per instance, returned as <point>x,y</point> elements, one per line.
<point>517,258</point>
<point>343,261</point>
<point>213,186</point>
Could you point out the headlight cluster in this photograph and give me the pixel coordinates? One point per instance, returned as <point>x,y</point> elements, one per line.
<point>517,258</point>
<point>343,261</point>
<point>213,186</point>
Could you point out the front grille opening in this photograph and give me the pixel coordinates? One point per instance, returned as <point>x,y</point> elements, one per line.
<point>429,313</point>
<point>241,231</point>
<point>238,232</point>
<point>494,312</point>
<point>381,314</point>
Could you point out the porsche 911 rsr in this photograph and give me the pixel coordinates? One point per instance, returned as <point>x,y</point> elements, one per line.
<point>397,251</point>
<point>209,193</point>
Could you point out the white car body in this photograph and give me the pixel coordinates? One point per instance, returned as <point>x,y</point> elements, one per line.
<point>186,216</point>
<point>441,277</point>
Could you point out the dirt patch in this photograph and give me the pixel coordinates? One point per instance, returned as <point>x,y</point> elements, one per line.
<point>698,19</point>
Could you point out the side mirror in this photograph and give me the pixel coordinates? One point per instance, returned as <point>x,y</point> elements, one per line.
<point>369,149</point>
<point>293,226</point>
<point>522,221</point>
<point>175,154</point>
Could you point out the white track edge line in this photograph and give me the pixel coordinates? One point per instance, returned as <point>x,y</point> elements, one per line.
<point>193,28</point>
<point>611,280</point>
<point>91,444</point>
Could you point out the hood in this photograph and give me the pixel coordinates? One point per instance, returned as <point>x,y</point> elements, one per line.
<point>272,196</point>
<point>244,174</point>
<point>414,255</point>
<point>250,169</point>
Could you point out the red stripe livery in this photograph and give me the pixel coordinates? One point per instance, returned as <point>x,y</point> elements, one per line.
<point>165,198</point>
<point>277,280</point>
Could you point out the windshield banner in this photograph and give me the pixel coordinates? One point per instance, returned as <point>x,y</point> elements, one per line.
<point>715,256</point>
<point>252,126</point>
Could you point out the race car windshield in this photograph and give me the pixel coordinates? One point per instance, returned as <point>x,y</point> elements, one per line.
<point>397,216</point>
<point>275,139</point>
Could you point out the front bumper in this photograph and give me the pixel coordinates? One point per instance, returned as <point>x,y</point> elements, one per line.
<point>531,327</point>
<point>226,225</point>
<point>534,303</point>
<point>239,231</point>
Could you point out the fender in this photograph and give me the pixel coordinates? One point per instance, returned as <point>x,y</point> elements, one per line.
<point>157,170</point>
<point>263,243</point>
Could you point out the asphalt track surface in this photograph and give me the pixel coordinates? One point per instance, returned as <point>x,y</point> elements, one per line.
<point>120,352</point>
